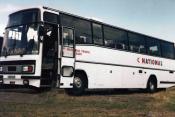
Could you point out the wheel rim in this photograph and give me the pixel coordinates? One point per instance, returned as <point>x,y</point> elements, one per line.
<point>152,87</point>
<point>77,82</point>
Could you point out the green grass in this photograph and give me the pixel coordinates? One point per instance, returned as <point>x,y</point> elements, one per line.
<point>56,104</point>
<point>170,103</point>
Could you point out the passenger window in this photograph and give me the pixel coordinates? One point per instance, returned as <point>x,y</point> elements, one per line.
<point>97,34</point>
<point>68,42</point>
<point>136,43</point>
<point>51,18</point>
<point>68,39</point>
<point>153,47</point>
<point>83,33</point>
<point>115,38</point>
<point>167,49</point>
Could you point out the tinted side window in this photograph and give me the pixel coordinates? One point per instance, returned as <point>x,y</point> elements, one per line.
<point>109,37</point>
<point>115,38</point>
<point>167,49</point>
<point>97,34</point>
<point>51,18</point>
<point>153,47</point>
<point>68,38</point>
<point>83,34</point>
<point>136,43</point>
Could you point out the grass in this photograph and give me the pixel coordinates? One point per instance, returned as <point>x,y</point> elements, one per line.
<point>56,103</point>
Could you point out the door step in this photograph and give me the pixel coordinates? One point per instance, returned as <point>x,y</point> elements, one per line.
<point>49,83</point>
<point>45,82</point>
<point>45,86</point>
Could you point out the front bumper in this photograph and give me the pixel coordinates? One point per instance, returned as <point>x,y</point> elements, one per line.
<point>21,80</point>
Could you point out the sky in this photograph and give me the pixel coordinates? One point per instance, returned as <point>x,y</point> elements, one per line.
<point>151,17</point>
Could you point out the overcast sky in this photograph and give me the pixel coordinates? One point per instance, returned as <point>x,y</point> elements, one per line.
<point>151,17</point>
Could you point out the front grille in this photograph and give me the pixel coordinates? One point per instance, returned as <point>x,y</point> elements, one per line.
<point>11,68</point>
<point>15,67</point>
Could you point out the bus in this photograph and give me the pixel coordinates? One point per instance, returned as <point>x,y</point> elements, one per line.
<point>45,47</point>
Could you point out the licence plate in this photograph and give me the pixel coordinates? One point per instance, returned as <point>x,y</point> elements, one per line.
<point>12,82</point>
<point>11,77</point>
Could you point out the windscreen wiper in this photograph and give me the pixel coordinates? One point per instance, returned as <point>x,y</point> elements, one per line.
<point>5,53</point>
<point>23,52</point>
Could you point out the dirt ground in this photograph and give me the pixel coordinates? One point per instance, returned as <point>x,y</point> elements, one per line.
<point>114,103</point>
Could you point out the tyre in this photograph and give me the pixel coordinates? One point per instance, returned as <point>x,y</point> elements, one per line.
<point>151,86</point>
<point>78,86</point>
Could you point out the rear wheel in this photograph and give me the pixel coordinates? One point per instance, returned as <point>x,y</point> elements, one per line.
<point>152,86</point>
<point>78,86</point>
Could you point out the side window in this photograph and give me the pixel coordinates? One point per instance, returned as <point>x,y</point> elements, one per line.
<point>68,42</point>
<point>68,37</point>
<point>97,34</point>
<point>109,37</point>
<point>167,49</point>
<point>136,43</point>
<point>153,47</point>
<point>51,18</point>
<point>83,34</point>
<point>115,38</point>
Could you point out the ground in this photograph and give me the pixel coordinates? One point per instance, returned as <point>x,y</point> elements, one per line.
<point>113,103</point>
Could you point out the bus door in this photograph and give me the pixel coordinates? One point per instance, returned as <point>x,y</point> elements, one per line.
<point>67,58</point>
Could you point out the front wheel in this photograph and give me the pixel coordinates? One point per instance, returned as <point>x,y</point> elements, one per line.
<point>151,86</point>
<point>78,86</point>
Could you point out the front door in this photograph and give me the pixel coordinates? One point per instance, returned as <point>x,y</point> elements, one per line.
<point>67,58</point>
<point>50,49</point>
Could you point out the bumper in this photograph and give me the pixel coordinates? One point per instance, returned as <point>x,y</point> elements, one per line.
<point>21,80</point>
<point>31,82</point>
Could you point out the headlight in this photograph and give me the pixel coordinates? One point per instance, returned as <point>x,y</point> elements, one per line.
<point>28,69</point>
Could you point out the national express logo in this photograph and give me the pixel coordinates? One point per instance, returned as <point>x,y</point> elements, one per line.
<point>149,61</point>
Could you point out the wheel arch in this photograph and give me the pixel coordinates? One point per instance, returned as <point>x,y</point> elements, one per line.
<point>85,78</point>
<point>152,77</point>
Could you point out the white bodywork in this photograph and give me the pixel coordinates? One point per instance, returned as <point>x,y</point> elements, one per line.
<point>110,68</point>
<point>17,77</point>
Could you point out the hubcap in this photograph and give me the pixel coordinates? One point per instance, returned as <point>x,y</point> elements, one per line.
<point>152,86</point>
<point>77,82</point>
